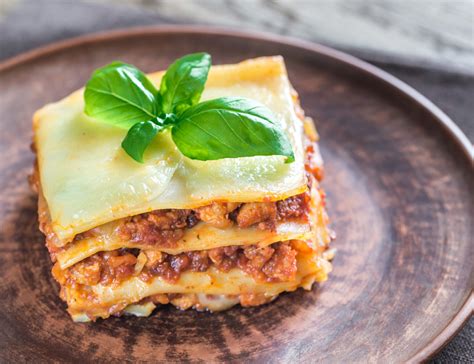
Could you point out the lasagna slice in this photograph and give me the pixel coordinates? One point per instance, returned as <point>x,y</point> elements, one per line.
<point>125,237</point>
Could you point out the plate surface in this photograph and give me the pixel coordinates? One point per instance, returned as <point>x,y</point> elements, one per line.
<point>399,185</point>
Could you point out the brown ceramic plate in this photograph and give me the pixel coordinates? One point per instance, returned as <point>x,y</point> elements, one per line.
<point>399,184</point>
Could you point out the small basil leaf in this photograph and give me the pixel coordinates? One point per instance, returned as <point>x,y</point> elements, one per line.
<point>229,128</point>
<point>183,82</point>
<point>120,94</point>
<point>140,136</point>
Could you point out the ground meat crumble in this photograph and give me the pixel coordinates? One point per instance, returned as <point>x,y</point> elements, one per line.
<point>165,227</point>
<point>273,263</point>
<point>160,227</point>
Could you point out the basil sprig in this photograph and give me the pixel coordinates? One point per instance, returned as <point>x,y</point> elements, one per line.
<point>227,127</point>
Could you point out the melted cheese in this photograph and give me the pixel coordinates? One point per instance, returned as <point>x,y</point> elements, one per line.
<point>88,180</point>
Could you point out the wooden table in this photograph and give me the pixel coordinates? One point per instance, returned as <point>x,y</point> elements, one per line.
<point>434,33</point>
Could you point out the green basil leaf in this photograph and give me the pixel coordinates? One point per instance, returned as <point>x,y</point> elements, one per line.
<point>229,127</point>
<point>183,82</point>
<point>120,94</point>
<point>141,134</point>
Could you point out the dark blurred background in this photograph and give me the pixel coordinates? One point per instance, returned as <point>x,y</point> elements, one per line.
<point>427,43</point>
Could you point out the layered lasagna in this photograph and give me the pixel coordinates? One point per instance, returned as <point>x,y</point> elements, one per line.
<point>125,237</point>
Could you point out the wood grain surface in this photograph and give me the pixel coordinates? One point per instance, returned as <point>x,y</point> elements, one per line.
<point>437,34</point>
<point>399,184</point>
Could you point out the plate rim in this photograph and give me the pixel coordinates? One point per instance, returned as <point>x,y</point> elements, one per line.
<point>447,124</point>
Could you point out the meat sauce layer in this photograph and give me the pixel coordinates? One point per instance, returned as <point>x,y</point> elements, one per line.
<point>165,227</point>
<point>273,263</point>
